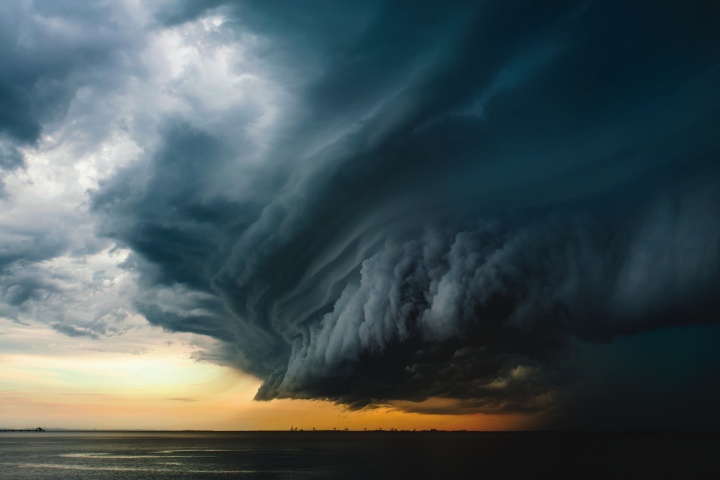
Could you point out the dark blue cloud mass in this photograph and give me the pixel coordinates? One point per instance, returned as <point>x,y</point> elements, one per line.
<point>48,51</point>
<point>459,193</point>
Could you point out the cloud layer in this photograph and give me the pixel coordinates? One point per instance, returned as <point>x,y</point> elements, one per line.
<point>448,199</point>
<point>380,202</point>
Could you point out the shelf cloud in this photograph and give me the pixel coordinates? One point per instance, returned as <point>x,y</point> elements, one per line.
<point>389,202</point>
<point>452,196</point>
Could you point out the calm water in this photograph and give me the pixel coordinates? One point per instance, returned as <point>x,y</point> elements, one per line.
<point>366,455</point>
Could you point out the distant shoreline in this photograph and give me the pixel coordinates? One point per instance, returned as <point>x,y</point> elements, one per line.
<point>38,429</point>
<point>369,431</point>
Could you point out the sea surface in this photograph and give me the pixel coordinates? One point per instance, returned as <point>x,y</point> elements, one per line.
<point>98,455</point>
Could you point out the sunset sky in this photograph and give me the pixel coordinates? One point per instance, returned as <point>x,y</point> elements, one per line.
<point>258,214</point>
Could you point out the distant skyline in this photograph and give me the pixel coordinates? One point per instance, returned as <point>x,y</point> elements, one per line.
<point>250,214</point>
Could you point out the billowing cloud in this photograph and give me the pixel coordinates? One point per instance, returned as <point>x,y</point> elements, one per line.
<point>438,208</point>
<point>49,51</point>
<point>61,67</point>
<point>450,198</point>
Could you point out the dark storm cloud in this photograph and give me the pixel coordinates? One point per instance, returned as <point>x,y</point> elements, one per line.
<point>20,284</point>
<point>175,13</point>
<point>74,331</point>
<point>658,381</point>
<point>41,50</point>
<point>460,193</point>
<point>10,158</point>
<point>61,62</point>
<point>48,50</point>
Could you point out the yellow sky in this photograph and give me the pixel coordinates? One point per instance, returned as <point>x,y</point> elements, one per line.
<point>53,381</point>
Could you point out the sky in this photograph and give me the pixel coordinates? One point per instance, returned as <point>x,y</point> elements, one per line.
<point>253,214</point>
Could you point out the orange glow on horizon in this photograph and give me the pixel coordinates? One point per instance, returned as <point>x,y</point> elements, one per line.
<point>165,389</point>
<point>323,415</point>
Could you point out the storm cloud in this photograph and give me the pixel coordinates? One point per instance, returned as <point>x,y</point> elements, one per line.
<point>448,198</point>
<point>49,50</point>
<point>440,207</point>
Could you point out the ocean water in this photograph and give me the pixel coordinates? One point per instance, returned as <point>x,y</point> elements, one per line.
<point>349,455</point>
